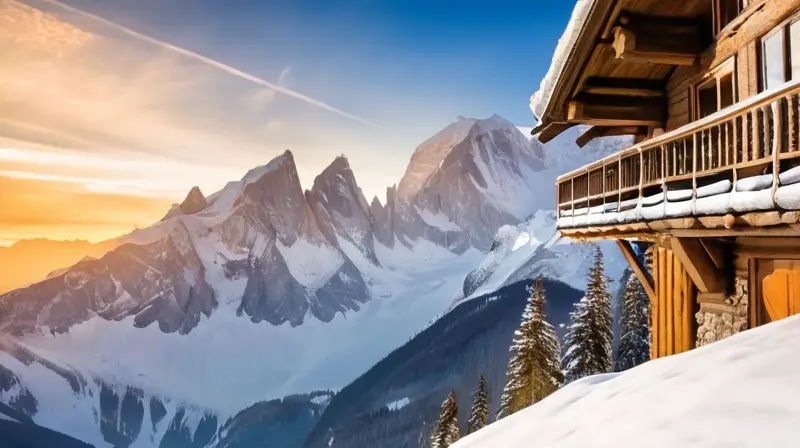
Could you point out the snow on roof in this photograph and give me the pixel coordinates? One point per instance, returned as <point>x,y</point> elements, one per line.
<point>541,98</point>
<point>741,391</point>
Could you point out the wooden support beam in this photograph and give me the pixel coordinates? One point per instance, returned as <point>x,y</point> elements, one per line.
<point>658,40</point>
<point>605,110</point>
<point>638,269</point>
<point>606,131</point>
<point>552,130</point>
<point>695,259</point>
<point>636,87</point>
<point>718,298</point>
<point>716,251</point>
<point>625,44</point>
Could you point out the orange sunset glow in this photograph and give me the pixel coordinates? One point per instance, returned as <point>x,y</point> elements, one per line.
<point>102,128</point>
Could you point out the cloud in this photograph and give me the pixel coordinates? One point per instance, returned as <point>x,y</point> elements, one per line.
<point>216,64</point>
<point>262,98</point>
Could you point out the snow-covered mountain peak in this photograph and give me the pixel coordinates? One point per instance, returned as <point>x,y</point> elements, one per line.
<point>429,155</point>
<point>495,122</point>
<point>194,201</point>
<point>285,159</point>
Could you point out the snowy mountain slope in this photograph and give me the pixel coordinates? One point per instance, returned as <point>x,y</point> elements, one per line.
<point>227,363</point>
<point>79,404</point>
<point>399,398</point>
<point>269,290</point>
<point>741,391</point>
<point>533,248</point>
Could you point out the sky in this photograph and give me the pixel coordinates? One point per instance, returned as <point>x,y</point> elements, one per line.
<point>111,110</point>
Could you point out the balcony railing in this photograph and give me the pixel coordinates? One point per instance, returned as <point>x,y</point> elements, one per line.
<point>746,139</point>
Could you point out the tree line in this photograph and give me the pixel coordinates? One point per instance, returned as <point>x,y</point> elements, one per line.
<point>539,367</point>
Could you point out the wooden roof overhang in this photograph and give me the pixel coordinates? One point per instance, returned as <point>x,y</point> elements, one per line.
<point>615,75</point>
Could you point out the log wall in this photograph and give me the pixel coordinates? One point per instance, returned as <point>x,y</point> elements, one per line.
<point>673,314</point>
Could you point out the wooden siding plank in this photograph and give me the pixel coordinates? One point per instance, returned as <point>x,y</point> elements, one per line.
<point>654,311</point>
<point>669,300</point>
<point>662,304</point>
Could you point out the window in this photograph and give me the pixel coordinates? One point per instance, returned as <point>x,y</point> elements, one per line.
<point>794,49</point>
<point>725,11</point>
<point>716,91</point>
<point>707,98</point>
<point>772,60</point>
<point>780,55</point>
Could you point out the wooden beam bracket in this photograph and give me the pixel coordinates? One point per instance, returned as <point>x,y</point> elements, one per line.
<point>638,269</point>
<point>699,265</point>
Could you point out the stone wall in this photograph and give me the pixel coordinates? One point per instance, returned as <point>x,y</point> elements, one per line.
<point>716,321</point>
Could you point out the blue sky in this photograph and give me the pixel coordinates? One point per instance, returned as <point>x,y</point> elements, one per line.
<point>203,90</point>
<point>472,58</point>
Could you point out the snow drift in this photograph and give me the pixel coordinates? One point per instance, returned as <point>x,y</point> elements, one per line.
<point>741,392</point>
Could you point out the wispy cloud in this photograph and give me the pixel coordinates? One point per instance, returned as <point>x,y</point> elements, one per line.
<point>216,64</point>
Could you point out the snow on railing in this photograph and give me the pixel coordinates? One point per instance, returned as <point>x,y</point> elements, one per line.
<point>746,139</point>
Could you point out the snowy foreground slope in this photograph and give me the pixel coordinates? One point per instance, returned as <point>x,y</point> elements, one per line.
<point>742,391</point>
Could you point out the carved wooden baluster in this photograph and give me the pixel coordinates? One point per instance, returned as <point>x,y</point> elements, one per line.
<point>735,140</point>
<point>792,128</point>
<point>619,182</point>
<point>745,137</point>
<point>726,127</point>
<point>777,136</point>
<point>572,195</point>
<point>703,150</point>
<point>718,130</point>
<point>694,163</point>
<point>756,135</point>
<point>641,172</point>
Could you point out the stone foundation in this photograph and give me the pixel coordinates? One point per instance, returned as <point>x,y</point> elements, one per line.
<point>717,321</point>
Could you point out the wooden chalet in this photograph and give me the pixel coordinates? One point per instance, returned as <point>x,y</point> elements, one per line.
<point>710,187</point>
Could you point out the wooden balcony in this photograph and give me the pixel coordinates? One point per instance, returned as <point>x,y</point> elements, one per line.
<point>737,161</point>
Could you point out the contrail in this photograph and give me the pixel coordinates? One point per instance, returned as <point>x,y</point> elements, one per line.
<point>216,64</point>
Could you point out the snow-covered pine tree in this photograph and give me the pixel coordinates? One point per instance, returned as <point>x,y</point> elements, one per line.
<point>634,342</point>
<point>479,417</point>
<point>446,431</point>
<point>588,341</point>
<point>534,371</point>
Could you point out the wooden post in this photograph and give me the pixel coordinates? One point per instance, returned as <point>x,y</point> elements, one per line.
<point>727,144</point>
<point>756,135</point>
<point>619,182</point>
<point>694,163</point>
<point>745,137</point>
<point>572,196</point>
<point>777,135</point>
<point>641,172</point>
<point>703,150</point>
<point>735,141</point>
<point>604,187</point>
<point>792,143</point>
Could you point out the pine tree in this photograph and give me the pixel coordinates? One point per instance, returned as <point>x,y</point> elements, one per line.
<point>634,343</point>
<point>590,334</point>
<point>446,431</point>
<point>480,408</point>
<point>534,370</point>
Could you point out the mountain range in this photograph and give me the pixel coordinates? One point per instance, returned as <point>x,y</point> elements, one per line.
<point>265,290</point>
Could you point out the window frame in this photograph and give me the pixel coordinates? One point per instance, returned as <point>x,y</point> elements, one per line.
<point>725,68</point>
<point>716,14</point>
<point>786,47</point>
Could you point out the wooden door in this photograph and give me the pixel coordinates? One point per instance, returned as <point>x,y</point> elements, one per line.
<point>779,284</point>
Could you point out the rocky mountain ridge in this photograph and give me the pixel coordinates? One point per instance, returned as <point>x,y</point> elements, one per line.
<point>269,290</point>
